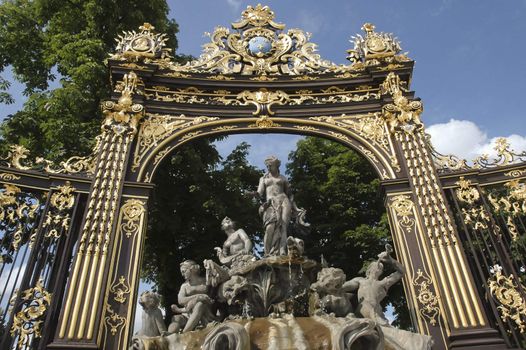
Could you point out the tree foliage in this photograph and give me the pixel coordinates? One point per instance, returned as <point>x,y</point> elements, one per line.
<point>63,44</point>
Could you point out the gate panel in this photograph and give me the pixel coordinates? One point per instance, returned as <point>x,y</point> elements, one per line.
<point>36,227</point>
<point>492,219</point>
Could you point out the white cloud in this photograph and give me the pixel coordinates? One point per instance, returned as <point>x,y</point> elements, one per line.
<point>234,4</point>
<point>466,140</point>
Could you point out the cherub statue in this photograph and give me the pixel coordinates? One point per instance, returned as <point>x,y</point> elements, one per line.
<point>193,296</point>
<point>329,290</point>
<point>152,318</point>
<point>372,290</point>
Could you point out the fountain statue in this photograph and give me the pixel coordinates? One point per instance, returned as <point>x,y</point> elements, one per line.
<point>193,296</point>
<point>277,208</point>
<point>283,300</point>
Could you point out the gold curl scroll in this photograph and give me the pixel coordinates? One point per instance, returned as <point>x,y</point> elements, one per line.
<point>27,323</point>
<point>427,300</point>
<point>506,292</point>
<point>131,212</point>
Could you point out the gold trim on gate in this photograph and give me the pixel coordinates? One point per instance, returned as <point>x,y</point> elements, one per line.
<point>27,323</point>
<point>506,292</point>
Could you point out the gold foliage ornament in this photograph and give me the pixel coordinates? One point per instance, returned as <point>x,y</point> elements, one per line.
<point>505,156</point>
<point>514,202</point>
<point>16,210</point>
<point>113,320</point>
<point>27,323</point>
<point>156,127</point>
<point>58,217</point>
<point>120,289</point>
<point>263,99</point>
<point>402,114</point>
<point>17,157</point>
<point>466,192</point>
<point>507,293</point>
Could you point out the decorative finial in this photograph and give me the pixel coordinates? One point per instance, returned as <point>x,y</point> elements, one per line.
<point>259,16</point>
<point>375,48</point>
<point>368,28</point>
<point>142,45</point>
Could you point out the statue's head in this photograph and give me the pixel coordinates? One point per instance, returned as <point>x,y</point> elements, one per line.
<point>227,223</point>
<point>189,268</point>
<point>330,279</point>
<point>149,300</point>
<point>272,162</point>
<point>374,270</point>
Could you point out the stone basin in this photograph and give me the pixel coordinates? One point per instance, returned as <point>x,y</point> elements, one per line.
<point>290,333</point>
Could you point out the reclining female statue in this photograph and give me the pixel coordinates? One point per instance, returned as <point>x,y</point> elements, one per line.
<point>236,245</point>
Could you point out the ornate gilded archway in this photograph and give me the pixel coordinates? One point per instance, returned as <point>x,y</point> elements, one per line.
<point>261,78</point>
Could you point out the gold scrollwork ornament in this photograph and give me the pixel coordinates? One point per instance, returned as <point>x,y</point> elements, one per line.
<point>374,47</point>
<point>120,289</point>
<point>27,323</point>
<point>506,292</point>
<point>466,192</point>
<point>403,208</point>
<point>264,122</point>
<point>123,117</point>
<point>14,209</point>
<point>9,176</point>
<point>113,320</point>
<point>132,212</point>
<point>402,114</point>
<point>63,198</point>
<point>263,99</point>
<point>144,44</point>
<point>426,298</point>
<point>259,46</point>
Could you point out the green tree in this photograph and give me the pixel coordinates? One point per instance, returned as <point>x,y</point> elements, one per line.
<point>65,42</point>
<point>341,192</point>
<point>195,190</point>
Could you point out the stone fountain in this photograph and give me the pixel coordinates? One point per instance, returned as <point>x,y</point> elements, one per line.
<point>281,301</point>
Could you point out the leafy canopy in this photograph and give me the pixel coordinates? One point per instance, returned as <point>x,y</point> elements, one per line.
<point>63,44</point>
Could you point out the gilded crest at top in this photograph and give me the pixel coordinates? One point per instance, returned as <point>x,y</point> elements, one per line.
<point>258,46</point>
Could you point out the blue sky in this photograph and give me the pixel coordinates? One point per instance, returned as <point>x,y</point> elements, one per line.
<point>468,58</point>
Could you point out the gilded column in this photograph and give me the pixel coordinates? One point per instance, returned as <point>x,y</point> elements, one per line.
<point>463,314</point>
<point>83,305</point>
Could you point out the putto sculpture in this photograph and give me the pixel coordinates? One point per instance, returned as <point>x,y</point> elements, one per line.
<point>193,296</point>
<point>242,299</point>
